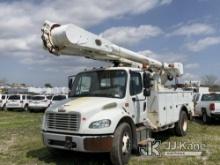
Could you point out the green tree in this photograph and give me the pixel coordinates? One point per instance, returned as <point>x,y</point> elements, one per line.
<point>209,80</point>
<point>48,85</point>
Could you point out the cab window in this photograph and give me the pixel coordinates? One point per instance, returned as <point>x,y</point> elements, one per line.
<point>84,85</point>
<point>135,83</point>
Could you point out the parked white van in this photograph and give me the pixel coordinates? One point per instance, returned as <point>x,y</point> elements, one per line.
<point>39,102</point>
<point>3,100</point>
<point>18,101</point>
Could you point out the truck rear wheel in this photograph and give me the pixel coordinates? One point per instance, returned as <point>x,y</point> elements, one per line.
<point>182,124</point>
<point>26,108</point>
<point>122,145</point>
<point>4,108</point>
<point>205,118</point>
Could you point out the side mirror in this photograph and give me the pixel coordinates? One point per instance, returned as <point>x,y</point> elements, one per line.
<point>147,80</point>
<point>147,92</point>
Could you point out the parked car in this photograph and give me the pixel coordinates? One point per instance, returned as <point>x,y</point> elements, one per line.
<point>207,106</point>
<point>3,100</point>
<point>39,102</point>
<point>18,101</point>
<point>57,98</point>
<point>49,97</point>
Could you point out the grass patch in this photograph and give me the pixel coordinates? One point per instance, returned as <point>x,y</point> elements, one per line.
<point>20,144</point>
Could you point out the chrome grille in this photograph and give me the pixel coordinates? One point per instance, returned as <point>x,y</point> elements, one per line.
<point>63,121</point>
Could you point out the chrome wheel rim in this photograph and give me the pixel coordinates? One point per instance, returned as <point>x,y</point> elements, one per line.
<point>125,143</point>
<point>204,117</point>
<point>184,125</point>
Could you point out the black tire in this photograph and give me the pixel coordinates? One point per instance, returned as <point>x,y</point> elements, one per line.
<point>4,108</point>
<point>121,152</point>
<point>181,125</point>
<point>205,118</point>
<point>26,108</point>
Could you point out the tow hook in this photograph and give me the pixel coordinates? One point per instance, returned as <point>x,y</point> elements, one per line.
<point>68,143</point>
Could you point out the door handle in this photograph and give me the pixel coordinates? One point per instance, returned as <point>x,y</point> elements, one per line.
<point>144,106</point>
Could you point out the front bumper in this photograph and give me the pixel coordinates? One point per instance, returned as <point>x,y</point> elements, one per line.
<point>215,115</point>
<point>14,106</point>
<point>90,143</point>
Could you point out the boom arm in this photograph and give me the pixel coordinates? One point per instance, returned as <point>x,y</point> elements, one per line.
<point>75,41</point>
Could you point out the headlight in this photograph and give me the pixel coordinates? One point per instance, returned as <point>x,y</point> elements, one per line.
<point>43,122</point>
<point>100,124</point>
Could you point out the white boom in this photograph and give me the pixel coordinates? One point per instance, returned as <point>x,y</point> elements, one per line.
<point>72,40</point>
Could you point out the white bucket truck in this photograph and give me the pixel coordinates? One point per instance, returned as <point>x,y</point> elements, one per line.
<point>112,109</point>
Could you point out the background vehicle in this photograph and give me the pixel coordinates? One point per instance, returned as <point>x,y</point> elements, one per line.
<point>3,100</point>
<point>49,97</point>
<point>196,87</point>
<point>112,109</point>
<point>207,105</point>
<point>58,98</point>
<point>39,102</point>
<point>18,101</point>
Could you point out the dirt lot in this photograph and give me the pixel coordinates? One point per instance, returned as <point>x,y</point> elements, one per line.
<point>20,144</point>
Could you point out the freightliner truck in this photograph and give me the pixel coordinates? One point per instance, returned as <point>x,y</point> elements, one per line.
<point>112,109</point>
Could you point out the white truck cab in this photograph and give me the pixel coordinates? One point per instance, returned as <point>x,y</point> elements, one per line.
<point>18,101</point>
<point>207,105</point>
<point>39,103</point>
<point>3,100</point>
<point>112,109</point>
<point>107,105</point>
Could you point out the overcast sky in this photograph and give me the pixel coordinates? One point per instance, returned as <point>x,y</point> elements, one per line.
<point>185,31</point>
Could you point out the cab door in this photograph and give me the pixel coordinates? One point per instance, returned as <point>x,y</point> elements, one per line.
<point>197,104</point>
<point>137,100</point>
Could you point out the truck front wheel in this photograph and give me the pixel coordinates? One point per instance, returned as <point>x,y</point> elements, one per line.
<point>122,145</point>
<point>182,124</point>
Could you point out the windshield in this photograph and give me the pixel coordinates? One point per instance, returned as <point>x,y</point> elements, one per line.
<point>14,97</point>
<point>211,97</point>
<point>38,97</point>
<point>58,98</point>
<point>107,83</point>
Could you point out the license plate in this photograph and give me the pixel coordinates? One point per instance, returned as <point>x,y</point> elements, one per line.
<point>13,105</point>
